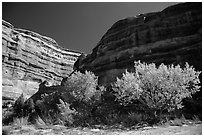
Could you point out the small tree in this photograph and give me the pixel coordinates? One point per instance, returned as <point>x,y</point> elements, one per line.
<point>127,88</point>
<point>157,89</point>
<point>85,93</point>
<point>83,87</point>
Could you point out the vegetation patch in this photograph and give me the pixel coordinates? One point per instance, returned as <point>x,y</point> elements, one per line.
<point>148,96</point>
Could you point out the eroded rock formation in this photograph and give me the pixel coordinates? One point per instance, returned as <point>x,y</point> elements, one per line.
<point>29,58</point>
<point>171,36</point>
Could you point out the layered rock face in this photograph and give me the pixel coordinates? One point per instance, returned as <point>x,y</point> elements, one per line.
<point>29,58</point>
<point>171,36</point>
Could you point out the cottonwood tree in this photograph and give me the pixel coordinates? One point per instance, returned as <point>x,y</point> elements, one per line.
<point>157,89</point>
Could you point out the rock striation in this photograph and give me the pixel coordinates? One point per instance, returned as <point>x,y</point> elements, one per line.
<point>170,36</point>
<point>29,58</point>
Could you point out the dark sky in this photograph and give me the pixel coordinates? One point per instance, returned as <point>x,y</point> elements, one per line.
<point>77,26</point>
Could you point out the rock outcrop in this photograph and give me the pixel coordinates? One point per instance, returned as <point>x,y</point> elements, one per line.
<point>29,58</point>
<point>171,36</point>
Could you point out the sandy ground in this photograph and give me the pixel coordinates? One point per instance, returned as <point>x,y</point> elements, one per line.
<point>195,129</point>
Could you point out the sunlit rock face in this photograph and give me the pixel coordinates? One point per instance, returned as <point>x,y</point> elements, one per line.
<point>29,58</point>
<point>170,36</point>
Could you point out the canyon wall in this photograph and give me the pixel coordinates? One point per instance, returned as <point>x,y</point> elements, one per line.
<point>170,36</point>
<point>29,58</point>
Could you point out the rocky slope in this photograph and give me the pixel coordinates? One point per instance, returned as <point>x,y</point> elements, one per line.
<point>171,36</point>
<point>29,58</point>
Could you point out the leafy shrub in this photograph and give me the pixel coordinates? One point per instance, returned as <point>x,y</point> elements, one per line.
<point>83,87</point>
<point>127,88</point>
<point>66,114</point>
<point>19,106</point>
<point>15,111</point>
<point>81,94</point>
<point>7,117</point>
<point>113,118</point>
<point>47,107</point>
<point>29,106</point>
<point>69,104</point>
<point>135,117</point>
<point>157,89</point>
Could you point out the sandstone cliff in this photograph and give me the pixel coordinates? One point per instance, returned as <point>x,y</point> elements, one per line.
<point>171,36</point>
<point>29,58</point>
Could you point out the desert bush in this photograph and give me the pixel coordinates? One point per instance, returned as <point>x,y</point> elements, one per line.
<point>83,87</point>
<point>85,93</point>
<point>47,108</point>
<point>66,115</point>
<point>132,118</point>
<point>108,110</point>
<point>74,103</point>
<point>29,107</point>
<point>15,111</point>
<point>157,89</point>
<point>19,105</point>
<point>127,88</point>
<point>48,104</point>
<point>7,117</point>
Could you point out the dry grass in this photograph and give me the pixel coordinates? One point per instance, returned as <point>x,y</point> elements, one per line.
<point>20,122</point>
<point>192,129</point>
